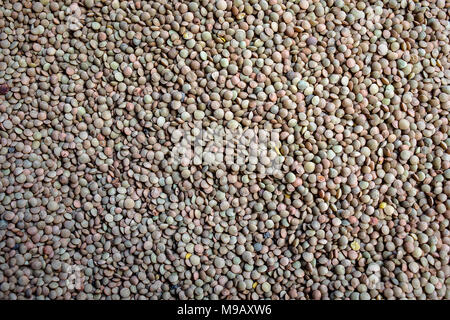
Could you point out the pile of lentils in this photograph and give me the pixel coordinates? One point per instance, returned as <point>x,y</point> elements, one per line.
<point>92,207</point>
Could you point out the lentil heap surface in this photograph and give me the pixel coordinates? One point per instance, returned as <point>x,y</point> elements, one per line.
<point>93,207</point>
